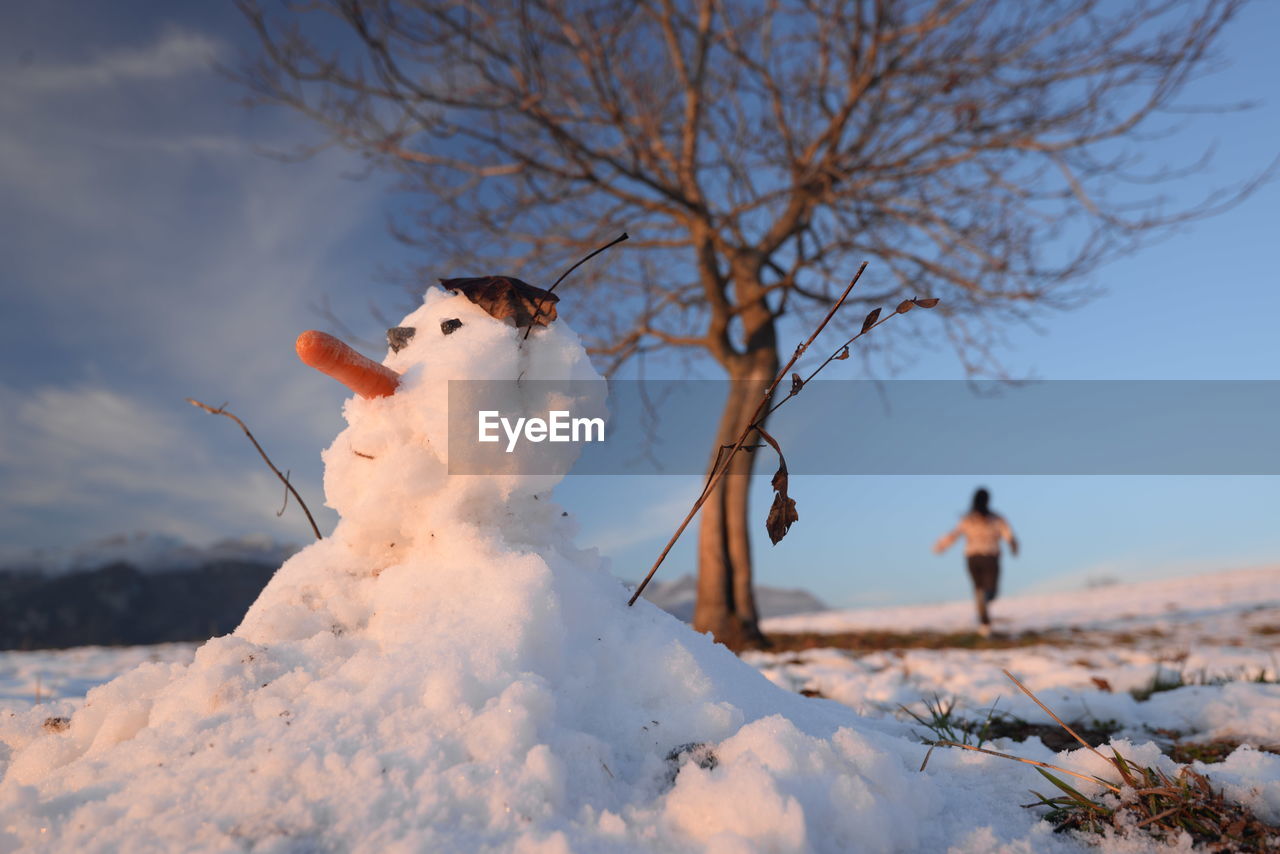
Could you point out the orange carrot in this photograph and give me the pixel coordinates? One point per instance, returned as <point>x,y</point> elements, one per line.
<point>329,355</point>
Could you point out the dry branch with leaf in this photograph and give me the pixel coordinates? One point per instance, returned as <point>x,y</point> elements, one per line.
<point>782,513</point>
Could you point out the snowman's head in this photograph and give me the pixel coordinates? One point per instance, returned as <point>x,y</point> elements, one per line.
<point>384,471</point>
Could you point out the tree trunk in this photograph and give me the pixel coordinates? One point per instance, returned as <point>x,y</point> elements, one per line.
<point>726,604</point>
<point>716,609</point>
<point>738,520</point>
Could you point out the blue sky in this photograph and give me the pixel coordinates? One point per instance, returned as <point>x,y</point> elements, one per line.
<point>151,252</point>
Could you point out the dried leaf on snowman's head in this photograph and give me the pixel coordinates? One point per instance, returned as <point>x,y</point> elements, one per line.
<point>507,298</point>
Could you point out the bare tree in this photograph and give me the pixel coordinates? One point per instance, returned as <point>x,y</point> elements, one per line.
<point>988,152</point>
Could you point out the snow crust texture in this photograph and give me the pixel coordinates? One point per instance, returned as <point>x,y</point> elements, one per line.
<point>448,673</point>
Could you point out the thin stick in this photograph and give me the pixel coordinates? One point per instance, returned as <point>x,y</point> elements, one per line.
<point>221,410</point>
<point>718,471</point>
<point>538,313</point>
<point>1035,762</point>
<point>565,274</point>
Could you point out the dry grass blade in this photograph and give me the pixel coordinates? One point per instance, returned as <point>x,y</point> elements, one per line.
<point>1050,713</point>
<point>1146,821</point>
<point>1035,762</point>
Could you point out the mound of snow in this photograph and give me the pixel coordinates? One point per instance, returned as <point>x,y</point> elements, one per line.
<point>448,672</point>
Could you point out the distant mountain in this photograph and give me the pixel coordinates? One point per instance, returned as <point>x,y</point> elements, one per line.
<point>145,553</point>
<point>116,605</point>
<point>678,597</point>
<point>131,589</point>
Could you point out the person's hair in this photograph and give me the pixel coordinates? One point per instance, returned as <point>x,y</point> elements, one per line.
<point>982,502</point>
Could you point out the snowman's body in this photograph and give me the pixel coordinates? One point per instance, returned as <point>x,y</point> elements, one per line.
<point>447,672</point>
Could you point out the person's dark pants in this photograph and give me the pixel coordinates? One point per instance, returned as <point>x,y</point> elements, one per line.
<point>985,572</point>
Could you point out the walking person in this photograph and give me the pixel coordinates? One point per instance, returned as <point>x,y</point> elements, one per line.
<point>982,530</point>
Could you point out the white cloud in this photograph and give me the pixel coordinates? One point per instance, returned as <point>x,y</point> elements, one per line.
<point>162,258</point>
<point>144,254</point>
<point>175,53</point>
<point>118,462</point>
<point>93,422</point>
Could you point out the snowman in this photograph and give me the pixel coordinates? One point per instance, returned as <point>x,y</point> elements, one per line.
<point>462,352</point>
<point>448,672</point>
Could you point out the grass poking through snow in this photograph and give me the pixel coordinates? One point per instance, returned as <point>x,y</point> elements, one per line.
<point>946,723</point>
<point>1136,800</point>
<point>941,718</point>
<point>1162,806</point>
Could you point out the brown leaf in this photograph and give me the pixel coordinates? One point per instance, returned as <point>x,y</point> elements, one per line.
<point>905,306</point>
<point>1101,684</point>
<point>872,317</point>
<point>507,298</point>
<point>796,383</point>
<point>927,302</point>
<point>783,512</point>
<point>781,516</point>
<point>842,355</point>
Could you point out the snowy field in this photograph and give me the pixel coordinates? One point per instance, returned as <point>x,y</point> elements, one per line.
<point>1090,655</point>
<point>1093,656</point>
<point>1217,627</point>
<point>66,675</point>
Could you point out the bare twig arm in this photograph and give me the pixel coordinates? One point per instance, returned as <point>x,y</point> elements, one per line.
<point>221,410</point>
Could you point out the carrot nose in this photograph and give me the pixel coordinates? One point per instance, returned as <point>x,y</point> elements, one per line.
<point>331,356</point>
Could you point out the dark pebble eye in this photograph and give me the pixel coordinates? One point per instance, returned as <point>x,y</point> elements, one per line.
<point>398,337</point>
<point>451,325</point>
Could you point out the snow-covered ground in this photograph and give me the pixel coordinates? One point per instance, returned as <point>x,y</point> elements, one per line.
<point>68,674</point>
<point>1092,651</point>
<point>1205,603</point>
